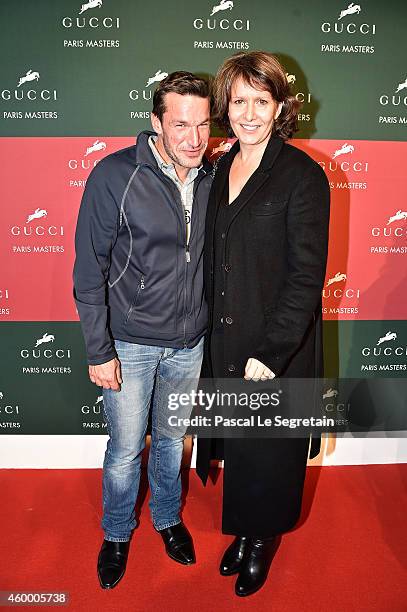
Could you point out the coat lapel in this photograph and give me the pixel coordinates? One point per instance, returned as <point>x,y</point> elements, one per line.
<point>222,173</point>
<point>259,176</point>
<point>218,185</point>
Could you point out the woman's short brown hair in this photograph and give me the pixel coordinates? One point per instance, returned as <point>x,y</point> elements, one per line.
<point>263,71</point>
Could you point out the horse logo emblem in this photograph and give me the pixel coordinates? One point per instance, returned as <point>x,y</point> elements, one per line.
<point>29,76</point>
<point>389,336</point>
<point>224,5</point>
<point>330,393</point>
<point>89,5</point>
<point>351,10</point>
<point>45,338</point>
<point>223,147</point>
<point>401,215</point>
<point>345,148</point>
<point>98,145</point>
<point>401,86</point>
<point>336,279</point>
<point>37,214</point>
<point>159,76</point>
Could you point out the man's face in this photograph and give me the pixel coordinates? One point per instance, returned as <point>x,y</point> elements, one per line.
<point>183,133</point>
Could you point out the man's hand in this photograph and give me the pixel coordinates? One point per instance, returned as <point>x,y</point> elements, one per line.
<point>106,375</point>
<point>256,370</point>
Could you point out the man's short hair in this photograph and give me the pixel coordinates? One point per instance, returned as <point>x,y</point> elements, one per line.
<point>180,82</point>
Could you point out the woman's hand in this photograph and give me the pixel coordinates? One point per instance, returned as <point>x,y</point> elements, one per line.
<point>256,370</point>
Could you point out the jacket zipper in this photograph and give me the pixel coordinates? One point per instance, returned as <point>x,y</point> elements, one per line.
<point>188,259</point>
<point>140,287</point>
<point>188,255</point>
<point>186,246</point>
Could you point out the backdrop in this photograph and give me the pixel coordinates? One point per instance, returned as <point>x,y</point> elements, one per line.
<point>77,83</point>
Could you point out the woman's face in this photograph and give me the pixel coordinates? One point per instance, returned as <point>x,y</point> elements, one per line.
<point>252,113</point>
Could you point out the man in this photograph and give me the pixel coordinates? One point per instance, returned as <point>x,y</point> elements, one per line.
<point>138,290</point>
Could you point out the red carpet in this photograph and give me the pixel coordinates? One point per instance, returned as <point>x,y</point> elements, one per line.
<point>348,553</point>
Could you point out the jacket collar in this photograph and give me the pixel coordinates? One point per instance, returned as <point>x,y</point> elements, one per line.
<point>145,156</point>
<point>271,152</point>
<point>258,178</point>
<point>274,146</point>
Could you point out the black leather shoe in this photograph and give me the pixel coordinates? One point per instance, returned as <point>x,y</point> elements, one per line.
<point>178,544</point>
<point>112,563</point>
<point>233,557</point>
<point>256,564</point>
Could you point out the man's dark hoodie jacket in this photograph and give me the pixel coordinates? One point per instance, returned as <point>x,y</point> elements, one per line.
<point>135,279</point>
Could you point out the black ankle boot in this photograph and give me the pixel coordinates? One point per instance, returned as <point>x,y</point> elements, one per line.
<point>112,563</point>
<point>178,544</point>
<point>256,564</point>
<point>233,556</point>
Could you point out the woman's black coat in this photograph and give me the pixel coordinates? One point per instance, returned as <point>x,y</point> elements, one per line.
<point>275,252</point>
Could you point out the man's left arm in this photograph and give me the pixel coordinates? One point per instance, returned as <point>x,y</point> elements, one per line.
<point>96,231</point>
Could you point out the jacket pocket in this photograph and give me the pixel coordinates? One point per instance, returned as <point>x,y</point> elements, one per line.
<point>266,209</point>
<point>136,298</point>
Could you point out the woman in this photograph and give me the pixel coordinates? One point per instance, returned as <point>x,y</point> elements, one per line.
<point>265,258</point>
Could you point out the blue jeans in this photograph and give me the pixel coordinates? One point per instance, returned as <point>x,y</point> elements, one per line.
<point>149,374</point>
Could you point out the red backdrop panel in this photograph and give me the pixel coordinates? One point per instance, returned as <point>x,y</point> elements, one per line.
<point>40,202</point>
